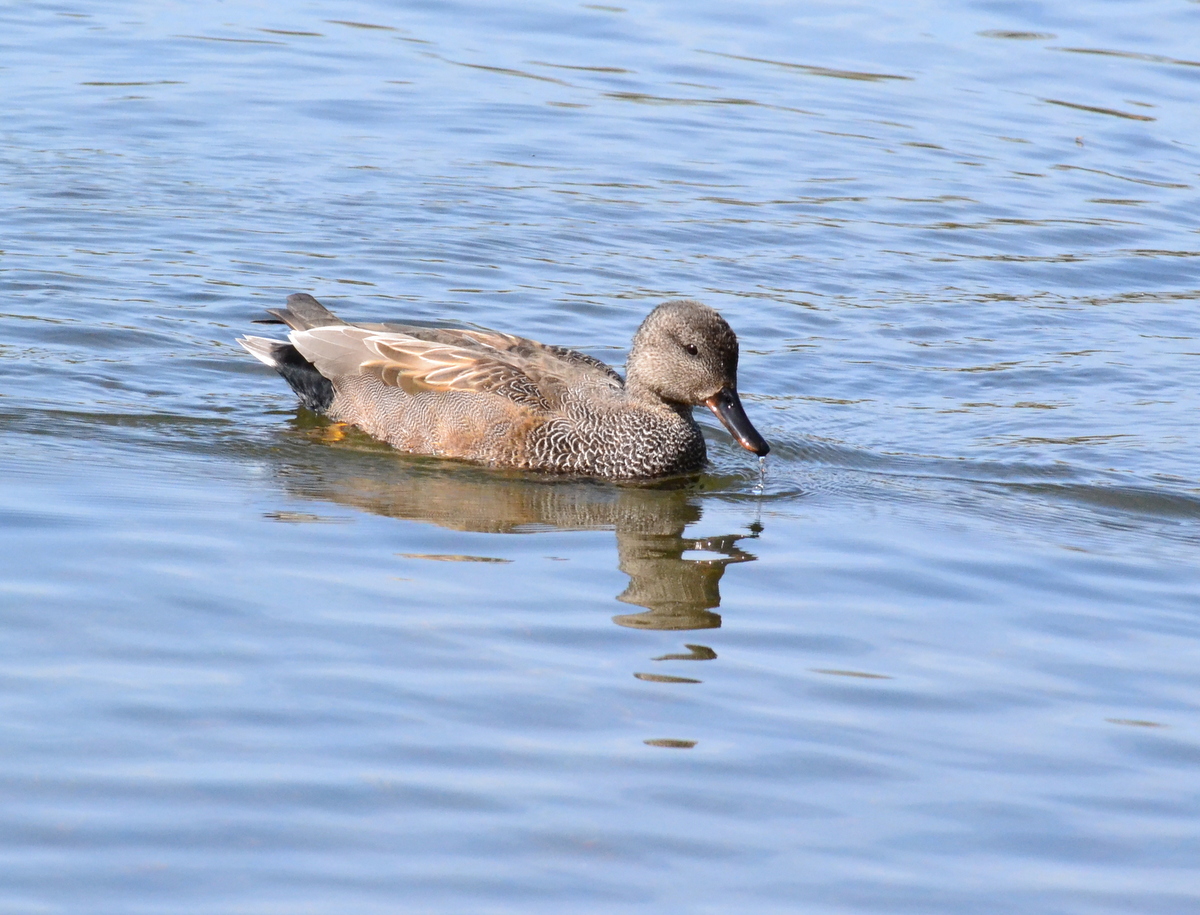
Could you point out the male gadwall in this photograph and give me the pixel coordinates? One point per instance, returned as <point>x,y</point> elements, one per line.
<point>484,396</point>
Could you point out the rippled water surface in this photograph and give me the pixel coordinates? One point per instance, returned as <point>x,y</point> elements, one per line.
<point>945,659</point>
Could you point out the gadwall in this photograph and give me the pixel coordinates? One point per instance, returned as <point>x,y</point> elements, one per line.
<point>504,401</point>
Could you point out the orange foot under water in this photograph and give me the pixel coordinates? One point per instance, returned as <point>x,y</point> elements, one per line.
<point>334,432</point>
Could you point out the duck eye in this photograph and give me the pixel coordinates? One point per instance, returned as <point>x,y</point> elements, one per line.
<point>691,349</point>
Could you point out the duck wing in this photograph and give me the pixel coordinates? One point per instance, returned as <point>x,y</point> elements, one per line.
<point>305,313</point>
<point>414,365</point>
<point>535,358</point>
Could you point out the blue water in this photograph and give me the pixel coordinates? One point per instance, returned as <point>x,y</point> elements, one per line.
<point>945,658</point>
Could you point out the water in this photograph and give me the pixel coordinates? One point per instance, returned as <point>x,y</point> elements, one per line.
<point>942,658</point>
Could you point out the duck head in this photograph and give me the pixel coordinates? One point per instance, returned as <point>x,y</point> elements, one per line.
<point>685,353</point>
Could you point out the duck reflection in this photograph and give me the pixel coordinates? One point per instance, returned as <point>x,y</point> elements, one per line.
<point>678,593</point>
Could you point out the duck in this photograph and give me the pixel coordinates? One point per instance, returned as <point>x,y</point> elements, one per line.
<point>509,402</point>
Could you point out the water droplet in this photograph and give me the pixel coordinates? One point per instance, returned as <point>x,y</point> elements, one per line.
<point>762,476</point>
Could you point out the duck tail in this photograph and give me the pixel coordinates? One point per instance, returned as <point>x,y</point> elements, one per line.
<point>303,312</point>
<point>314,389</point>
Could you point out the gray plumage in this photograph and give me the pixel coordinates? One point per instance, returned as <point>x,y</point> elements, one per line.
<point>506,401</point>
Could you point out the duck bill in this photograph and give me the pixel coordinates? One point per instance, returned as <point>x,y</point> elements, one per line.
<point>728,408</point>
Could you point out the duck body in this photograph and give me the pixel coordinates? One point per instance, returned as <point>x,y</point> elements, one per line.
<point>507,401</point>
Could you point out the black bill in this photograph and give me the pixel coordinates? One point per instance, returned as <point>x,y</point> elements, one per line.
<point>728,407</point>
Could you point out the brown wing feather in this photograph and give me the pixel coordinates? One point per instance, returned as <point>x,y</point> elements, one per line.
<point>524,371</point>
<point>478,375</point>
<point>543,363</point>
<point>416,365</point>
<point>532,349</point>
